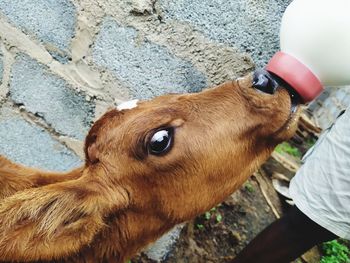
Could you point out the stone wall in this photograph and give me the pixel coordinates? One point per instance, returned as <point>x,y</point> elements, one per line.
<point>63,63</point>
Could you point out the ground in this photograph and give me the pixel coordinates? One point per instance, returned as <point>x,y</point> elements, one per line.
<point>219,234</point>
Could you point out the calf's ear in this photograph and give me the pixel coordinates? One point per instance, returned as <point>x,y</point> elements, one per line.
<point>99,129</point>
<point>91,152</point>
<point>55,221</point>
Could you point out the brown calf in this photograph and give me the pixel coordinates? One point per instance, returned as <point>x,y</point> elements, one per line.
<point>147,169</point>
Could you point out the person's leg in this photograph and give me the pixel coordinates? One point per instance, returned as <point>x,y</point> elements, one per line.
<point>284,240</point>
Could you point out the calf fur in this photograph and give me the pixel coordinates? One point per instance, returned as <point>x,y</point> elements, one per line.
<point>125,197</point>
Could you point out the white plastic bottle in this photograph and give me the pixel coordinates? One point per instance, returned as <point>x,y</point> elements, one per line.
<point>315,46</point>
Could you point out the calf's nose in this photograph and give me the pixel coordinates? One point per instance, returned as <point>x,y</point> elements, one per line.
<point>263,81</point>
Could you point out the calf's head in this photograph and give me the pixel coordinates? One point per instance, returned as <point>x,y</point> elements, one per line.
<point>147,168</point>
<point>178,155</point>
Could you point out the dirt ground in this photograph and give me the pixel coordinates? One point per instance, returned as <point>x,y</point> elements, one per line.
<point>219,234</point>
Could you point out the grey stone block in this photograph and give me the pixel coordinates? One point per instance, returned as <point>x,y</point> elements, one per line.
<point>50,97</point>
<point>252,26</point>
<point>51,21</point>
<point>161,248</point>
<point>148,69</point>
<point>30,145</point>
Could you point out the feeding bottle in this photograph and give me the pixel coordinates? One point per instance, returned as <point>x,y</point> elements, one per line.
<point>315,46</point>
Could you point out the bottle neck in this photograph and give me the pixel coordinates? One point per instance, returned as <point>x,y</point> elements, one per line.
<point>298,76</point>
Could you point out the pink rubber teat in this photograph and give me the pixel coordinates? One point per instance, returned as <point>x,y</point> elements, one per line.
<point>296,74</point>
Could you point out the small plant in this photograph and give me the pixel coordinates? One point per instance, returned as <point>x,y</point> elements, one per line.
<point>335,252</point>
<point>218,218</point>
<point>207,215</point>
<point>310,142</point>
<point>285,147</point>
<point>249,187</point>
<point>211,214</point>
<point>200,226</point>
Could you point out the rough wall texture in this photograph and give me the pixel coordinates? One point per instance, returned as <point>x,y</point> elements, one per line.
<point>62,63</point>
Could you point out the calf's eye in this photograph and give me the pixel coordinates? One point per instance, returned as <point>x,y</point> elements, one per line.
<point>161,141</point>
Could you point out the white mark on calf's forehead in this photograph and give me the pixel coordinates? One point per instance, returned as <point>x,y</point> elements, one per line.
<point>127,105</point>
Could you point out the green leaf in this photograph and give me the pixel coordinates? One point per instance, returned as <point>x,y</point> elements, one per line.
<point>207,215</point>
<point>335,252</point>
<point>285,147</point>
<point>200,226</point>
<point>218,218</point>
<point>249,187</point>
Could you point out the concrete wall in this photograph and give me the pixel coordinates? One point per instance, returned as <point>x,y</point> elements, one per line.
<point>63,63</point>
